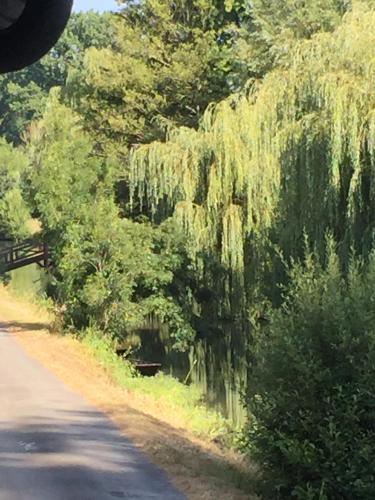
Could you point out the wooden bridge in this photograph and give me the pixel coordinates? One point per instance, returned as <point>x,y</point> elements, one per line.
<point>24,254</point>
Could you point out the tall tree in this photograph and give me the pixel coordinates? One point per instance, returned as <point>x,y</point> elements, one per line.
<point>23,94</point>
<point>274,26</point>
<point>171,59</point>
<point>110,272</point>
<point>293,157</point>
<point>64,171</point>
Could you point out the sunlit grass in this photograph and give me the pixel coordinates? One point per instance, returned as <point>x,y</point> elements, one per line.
<point>185,400</point>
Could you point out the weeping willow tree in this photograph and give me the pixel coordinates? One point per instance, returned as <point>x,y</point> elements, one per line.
<point>294,156</point>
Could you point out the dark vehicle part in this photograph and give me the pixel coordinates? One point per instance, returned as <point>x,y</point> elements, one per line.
<point>29,29</point>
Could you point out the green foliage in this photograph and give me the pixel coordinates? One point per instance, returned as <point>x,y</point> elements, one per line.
<point>65,172</point>
<point>276,26</point>
<point>111,272</point>
<point>312,387</point>
<point>232,189</point>
<point>170,60</point>
<point>23,94</point>
<point>294,154</point>
<point>116,273</point>
<point>299,19</point>
<point>14,212</point>
<point>84,31</point>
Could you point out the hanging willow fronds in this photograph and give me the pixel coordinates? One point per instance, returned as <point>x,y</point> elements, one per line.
<point>295,154</point>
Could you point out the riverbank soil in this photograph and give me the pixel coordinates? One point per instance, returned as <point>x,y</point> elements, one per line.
<point>197,467</point>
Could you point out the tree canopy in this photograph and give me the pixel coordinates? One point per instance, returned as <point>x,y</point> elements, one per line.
<point>292,156</point>
<point>170,60</point>
<point>23,94</point>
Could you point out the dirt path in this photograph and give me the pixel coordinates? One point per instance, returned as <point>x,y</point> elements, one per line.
<point>199,469</point>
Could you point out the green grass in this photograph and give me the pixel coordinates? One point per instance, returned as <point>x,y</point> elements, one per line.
<point>185,401</point>
<point>27,282</point>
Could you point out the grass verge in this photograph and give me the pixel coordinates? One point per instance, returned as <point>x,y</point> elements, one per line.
<point>183,399</point>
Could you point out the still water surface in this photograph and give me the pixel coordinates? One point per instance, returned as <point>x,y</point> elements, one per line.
<point>218,366</point>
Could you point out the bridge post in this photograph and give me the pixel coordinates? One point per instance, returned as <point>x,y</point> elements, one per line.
<point>45,255</point>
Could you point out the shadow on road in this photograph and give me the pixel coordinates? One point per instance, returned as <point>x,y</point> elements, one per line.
<point>25,328</point>
<point>74,455</point>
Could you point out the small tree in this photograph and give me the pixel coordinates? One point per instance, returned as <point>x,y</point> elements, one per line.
<point>115,273</point>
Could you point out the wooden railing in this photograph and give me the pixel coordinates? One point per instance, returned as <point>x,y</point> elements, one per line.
<point>24,254</point>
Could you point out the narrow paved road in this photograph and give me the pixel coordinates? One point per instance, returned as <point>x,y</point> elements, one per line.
<point>54,446</point>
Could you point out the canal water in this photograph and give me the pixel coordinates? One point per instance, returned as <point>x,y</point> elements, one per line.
<point>217,366</point>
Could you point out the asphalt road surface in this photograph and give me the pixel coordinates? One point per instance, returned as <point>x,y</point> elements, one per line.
<point>54,446</point>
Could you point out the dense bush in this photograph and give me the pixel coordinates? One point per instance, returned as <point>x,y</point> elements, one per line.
<point>116,273</point>
<point>312,392</point>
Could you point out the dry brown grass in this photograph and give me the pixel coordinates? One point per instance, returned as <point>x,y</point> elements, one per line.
<point>198,468</point>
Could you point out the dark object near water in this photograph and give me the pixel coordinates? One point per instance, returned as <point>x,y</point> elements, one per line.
<point>144,368</point>
<point>147,369</point>
<point>29,29</point>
